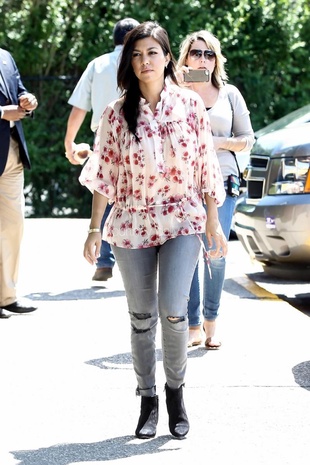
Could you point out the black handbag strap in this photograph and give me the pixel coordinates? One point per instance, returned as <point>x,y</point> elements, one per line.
<point>232,123</point>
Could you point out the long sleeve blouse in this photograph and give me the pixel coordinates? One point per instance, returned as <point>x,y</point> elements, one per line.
<point>157,182</point>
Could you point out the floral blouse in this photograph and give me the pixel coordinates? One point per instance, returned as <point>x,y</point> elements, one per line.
<point>157,182</point>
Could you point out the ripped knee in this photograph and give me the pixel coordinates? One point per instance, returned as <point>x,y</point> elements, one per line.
<point>176,319</point>
<point>140,317</point>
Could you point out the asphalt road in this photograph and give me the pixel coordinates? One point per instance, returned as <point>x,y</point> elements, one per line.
<point>68,387</point>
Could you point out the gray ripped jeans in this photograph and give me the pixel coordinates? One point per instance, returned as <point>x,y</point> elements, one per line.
<point>157,282</point>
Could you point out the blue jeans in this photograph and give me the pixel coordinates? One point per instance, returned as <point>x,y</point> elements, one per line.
<point>172,264</point>
<point>212,288</point>
<point>106,259</point>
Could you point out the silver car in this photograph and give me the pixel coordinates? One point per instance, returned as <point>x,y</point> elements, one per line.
<point>272,221</point>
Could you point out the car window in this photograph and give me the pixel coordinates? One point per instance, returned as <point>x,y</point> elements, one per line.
<point>302,115</point>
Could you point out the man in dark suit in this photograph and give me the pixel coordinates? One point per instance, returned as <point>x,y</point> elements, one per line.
<point>15,104</point>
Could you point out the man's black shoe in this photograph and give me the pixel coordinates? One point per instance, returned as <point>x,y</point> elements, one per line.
<point>19,307</point>
<point>3,315</point>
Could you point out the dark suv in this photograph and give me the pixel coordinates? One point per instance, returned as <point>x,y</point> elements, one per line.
<point>273,220</point>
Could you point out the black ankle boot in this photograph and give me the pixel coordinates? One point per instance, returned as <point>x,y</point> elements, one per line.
<point>148,418</point>
<point>178,421</point>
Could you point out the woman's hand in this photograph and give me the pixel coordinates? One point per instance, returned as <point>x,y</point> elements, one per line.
<point>92,247</point>
<point>180,76</point>
<point>216,238</point>
<point>93,242</point>
<point>214,233</point>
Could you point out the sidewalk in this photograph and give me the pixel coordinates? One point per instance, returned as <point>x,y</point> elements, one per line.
<point>68,387</point>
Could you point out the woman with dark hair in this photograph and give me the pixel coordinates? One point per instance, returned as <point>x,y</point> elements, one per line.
<point>154,159</point>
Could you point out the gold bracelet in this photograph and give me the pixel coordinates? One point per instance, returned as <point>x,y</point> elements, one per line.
<point>94,230</point>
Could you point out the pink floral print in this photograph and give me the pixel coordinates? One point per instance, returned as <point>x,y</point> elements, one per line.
<point>157,182</point>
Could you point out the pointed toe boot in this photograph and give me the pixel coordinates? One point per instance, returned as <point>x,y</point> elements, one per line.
<point>178,421</point>
<point>148,419</point>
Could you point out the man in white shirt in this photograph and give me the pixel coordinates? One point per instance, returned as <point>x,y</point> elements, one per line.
<point>96,88</point>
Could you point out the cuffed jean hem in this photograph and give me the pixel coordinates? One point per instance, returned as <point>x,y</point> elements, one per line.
<point>151,392</point>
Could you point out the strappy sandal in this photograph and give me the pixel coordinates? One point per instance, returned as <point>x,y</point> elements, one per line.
<point>213,346</point>
<point>194,340</point>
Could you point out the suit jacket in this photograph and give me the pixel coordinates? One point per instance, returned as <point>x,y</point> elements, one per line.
<point>11,88</point>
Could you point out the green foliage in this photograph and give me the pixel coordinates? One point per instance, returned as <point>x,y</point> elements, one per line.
<point>52,184</point>
<point>266,43</point>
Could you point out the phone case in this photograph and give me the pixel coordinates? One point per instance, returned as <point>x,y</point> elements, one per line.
<point>197,75</point>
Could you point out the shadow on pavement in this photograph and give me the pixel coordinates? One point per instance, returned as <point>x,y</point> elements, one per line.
<point>124,360</point>
<point>234,288</point>
<point>301,374</point>
<point>92,293</point>
<point>301,302</point>
<point>110,449</point>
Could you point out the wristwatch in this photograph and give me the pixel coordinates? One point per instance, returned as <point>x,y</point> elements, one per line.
<point>1,112</point>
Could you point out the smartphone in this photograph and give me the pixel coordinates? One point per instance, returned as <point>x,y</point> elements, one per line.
<point>197,75</point>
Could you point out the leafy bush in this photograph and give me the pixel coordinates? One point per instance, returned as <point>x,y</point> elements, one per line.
<point>265,42</point>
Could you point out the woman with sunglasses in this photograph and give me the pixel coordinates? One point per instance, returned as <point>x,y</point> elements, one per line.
<point>232,132</point>
<point>154,158</point>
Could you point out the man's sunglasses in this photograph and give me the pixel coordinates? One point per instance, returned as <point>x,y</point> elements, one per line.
<point>197,54</point>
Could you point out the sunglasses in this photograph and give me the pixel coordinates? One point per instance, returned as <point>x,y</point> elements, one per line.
<point>197,54</point>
